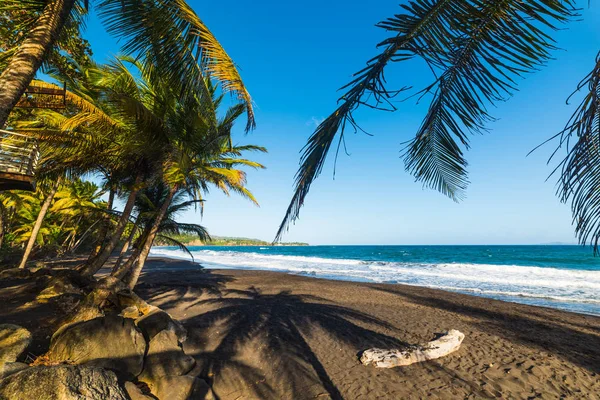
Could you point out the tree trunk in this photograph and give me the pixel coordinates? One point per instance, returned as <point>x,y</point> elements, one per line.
<point>2,223</point>
<point>104,233</point>
<point>95,264</point>
<point>78,243</point>
<point>28,58</point>
<point>38,223</point>
<point>125,248</point>
<point>134,274</point>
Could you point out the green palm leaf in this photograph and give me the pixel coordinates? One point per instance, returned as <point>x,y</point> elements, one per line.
<point>476,49</point>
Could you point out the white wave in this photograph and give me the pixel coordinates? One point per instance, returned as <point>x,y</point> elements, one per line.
<point>551,284</point>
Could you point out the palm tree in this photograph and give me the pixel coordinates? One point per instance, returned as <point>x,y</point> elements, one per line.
<point>187,52</point>
<point>148,205</point>
<point>35,230</point>
<point>51,221</point>
<point>476,51</point>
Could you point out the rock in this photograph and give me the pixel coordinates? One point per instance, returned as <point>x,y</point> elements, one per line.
<point>15,273</point>
<point>57,286</point>
<point>14,339</point>
<point>111,342</point>
<point>444,345</point>
<point>62,382</point>
<point>134,392</point>
<point>165,358</point>
<point>157,321</point>
<point>9,368</point>
<point>130,312</point>
<point>182,388</point>
<point>127,298</point>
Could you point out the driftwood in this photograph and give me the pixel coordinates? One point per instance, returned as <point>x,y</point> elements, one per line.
<point>440,347</point>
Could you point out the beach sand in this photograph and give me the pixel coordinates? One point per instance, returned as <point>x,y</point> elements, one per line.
<point>268,335</point>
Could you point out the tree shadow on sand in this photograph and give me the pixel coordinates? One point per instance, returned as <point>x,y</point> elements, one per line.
<point>166,288</point>
<point>538,327</point>
<point>280,325</point>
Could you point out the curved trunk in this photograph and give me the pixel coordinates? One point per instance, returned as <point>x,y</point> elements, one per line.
<point>97,262</point>
<point>38,223</point>
<point>124,249</point>
<point>2,224</point>
<point>104,233</point>
<point>134,274</point>
<point>28,58</point>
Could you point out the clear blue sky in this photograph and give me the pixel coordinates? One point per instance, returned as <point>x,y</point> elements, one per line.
<point>294,56</point>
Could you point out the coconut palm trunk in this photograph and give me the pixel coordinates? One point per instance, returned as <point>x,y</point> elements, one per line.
<point>38,223</point>
<point>29,56</point>
<point>97,262</point>
<point>134,273</point>
<point>125,248</point>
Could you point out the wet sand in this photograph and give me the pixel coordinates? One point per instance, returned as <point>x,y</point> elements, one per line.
<point>268,335</point>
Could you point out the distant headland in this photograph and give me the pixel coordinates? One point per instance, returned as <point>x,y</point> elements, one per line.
<point>192,240</point>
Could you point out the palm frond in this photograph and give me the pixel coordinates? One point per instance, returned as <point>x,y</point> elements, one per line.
<point>177,42</point>
<point>174,242</point>
<point>579,180</point>
<point>475,49</point>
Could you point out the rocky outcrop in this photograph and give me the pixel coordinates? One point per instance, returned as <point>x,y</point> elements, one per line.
<point>111,342</point>
<point>182,388</point>
<point>157,321</point>
<point>134,392</point>
<point>13,341</point>
<point>9,368</point>
<point>64,382</point>
<point>165,357</point>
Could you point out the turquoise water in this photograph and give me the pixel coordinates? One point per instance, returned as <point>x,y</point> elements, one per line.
<point>565,277</point>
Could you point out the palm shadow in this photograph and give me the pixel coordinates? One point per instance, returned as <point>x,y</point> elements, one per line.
<point>166,287</point>
<point>537,326</point>
<point>281,323</point>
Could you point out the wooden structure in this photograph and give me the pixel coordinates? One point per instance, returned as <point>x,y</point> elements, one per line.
<point>44,95</point>
<point>19,155</point>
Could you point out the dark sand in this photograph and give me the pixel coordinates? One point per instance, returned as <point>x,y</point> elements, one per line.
<point>268,335</point>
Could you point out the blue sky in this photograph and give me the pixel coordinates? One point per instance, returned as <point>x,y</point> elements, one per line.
<point>293,57</point>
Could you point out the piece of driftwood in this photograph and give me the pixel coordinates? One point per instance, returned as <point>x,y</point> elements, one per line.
<point>445,344</point>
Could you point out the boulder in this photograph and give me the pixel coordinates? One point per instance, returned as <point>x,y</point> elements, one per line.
<point>15,273</point>
<point>445,344</point>
<point>57,286</point>
<point>111,342</point>
<point>62,382</point>
<point>127,298</point>
<point>165,358</point>
<point>130,312</point>
<point>182,388</point>
<point>135,393</point>
<point>9,368</point>
<point>14,339</point>
<point>157,321</point>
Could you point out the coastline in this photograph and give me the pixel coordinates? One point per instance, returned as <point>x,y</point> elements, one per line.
<point>270,334</point>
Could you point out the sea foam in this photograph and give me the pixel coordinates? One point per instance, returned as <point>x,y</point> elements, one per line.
<point>563,288</point>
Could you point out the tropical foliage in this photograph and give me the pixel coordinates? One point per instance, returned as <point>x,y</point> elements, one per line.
<point>75,209</point>
<point>476,51</point>
<point>151,128</point>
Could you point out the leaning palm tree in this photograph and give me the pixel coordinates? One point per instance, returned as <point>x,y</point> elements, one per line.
<point>476,51</point>
<point>177,136</point>
<point>187,52</point>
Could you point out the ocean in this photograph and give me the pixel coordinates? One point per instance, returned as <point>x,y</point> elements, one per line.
<point>564,277</point>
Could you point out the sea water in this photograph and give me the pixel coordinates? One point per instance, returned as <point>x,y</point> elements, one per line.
<point>565,277</point>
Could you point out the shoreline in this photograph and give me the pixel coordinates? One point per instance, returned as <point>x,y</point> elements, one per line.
<point>548,301</point>
<point>271,335</point>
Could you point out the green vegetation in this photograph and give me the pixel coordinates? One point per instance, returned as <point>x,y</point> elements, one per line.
<point>192,240</point>
<point>150,127</point>
<point>477,51</point>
